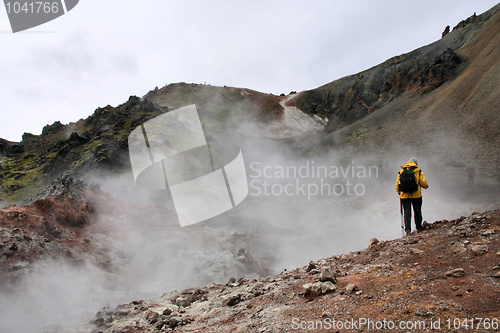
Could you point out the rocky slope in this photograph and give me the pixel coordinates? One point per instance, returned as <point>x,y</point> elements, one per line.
<point>53,226</point>
<point>449,275</point>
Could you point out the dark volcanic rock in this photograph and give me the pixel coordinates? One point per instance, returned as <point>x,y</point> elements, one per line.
<point>446,31</point>
<point>52,129</point>
<point>233,300</point>
<point>63,186</point>
<point>353,97</point>
<point>4,147</point>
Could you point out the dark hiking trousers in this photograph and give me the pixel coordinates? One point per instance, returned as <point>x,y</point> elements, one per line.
<point>417,209</point>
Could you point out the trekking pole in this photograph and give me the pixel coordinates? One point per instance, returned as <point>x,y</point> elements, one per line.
<point>402,217</point>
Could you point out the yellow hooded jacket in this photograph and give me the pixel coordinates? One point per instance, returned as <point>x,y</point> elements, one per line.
<point>419,177</point>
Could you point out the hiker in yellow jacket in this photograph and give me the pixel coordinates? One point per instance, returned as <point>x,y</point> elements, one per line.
<point>411,195</point>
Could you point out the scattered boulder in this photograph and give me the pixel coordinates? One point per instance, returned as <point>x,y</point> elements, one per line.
<point>373,241</point>
<point>457,272</point>
<point>170,322</point>
<point>312,265</point>
<point>422,312</point>
<point>351,287</point>
<point>233,300</point>
<point>122,313</point>
<point>312,290</point>
<point>488,232</point>
<point>151,316</point>
<point>257,289</point>
<point>99,321</point>
<point>327,287</point>
<point>183,301</point>
<point>327,275</point>
<point>416,251</point>
<point>458,248</point>
<point>479,249</point>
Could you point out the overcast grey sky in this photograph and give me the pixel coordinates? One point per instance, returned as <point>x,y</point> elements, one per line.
<point>101,52</point>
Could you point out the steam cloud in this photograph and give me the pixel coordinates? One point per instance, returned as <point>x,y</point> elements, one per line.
<point>149,254</point>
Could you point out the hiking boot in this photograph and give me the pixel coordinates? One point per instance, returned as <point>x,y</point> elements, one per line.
<point>407,233</point>
<point>419,230</point>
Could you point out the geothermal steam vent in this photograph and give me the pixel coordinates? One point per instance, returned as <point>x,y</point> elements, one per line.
<point>171,152</point>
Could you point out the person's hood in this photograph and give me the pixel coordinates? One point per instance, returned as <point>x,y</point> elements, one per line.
<point>410,165</point>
